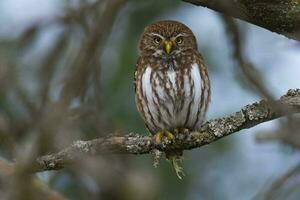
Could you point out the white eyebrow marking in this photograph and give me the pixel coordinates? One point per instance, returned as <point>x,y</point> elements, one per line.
<point>181,34</point>
<point>156,34</point>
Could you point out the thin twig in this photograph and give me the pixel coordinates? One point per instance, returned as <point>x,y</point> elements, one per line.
<point>281,181</point>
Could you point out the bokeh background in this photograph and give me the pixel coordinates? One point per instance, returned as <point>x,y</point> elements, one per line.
<point>39,47</point>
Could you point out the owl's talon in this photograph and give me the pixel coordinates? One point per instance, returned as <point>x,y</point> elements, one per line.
<point>158,136</point>
<point>186,130</point>
<point>176,131</point>
<point>169,135</point>
<point>181,130</point>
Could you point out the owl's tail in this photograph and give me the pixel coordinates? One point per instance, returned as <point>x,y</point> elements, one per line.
<point>176,158</point>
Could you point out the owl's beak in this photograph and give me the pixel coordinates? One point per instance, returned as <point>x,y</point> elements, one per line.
<point>168,46</point>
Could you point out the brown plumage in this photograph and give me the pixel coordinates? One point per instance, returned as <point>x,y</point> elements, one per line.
<point>171,81</point>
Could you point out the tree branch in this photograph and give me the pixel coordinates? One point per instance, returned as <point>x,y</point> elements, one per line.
<point>249,116</point>
<point>280,16</point>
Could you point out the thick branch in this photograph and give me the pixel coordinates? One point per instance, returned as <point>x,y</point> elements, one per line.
<point>247,117</point>
<point>281,16</point>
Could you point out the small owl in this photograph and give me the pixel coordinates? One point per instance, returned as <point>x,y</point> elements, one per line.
<point>172,87</point>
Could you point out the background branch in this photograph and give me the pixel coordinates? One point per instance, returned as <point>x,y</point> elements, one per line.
<point>249,116</point>
<point>8,175</point>
<point>65,68</point>
<point>282,16</point>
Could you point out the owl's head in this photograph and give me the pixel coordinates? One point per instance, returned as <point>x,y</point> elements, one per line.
<point>166,38</point>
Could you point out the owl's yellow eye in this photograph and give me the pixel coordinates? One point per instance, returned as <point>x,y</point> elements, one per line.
<point>179,40</point>
<point>157,40</point>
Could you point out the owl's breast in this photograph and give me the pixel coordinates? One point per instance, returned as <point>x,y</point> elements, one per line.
<point>170,98</point>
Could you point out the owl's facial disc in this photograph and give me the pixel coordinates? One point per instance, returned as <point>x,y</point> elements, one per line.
<point>167,39</point>
<point>164,46</point>
<point>171,45</point>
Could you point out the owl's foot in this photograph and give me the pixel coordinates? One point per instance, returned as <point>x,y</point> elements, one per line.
<point>181,130</point>
<point>160,135</point>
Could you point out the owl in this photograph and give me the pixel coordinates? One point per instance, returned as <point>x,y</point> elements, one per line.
<point>172,87</point>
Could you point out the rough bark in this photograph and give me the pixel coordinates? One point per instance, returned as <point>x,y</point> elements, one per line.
<point>280,16</point>
<point>249,116</point>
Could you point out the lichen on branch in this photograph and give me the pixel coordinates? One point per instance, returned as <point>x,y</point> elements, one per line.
<point>249,116</point>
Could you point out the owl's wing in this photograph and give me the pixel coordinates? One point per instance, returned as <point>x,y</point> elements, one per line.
<point>135,73</point>
<point>205,89</point>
